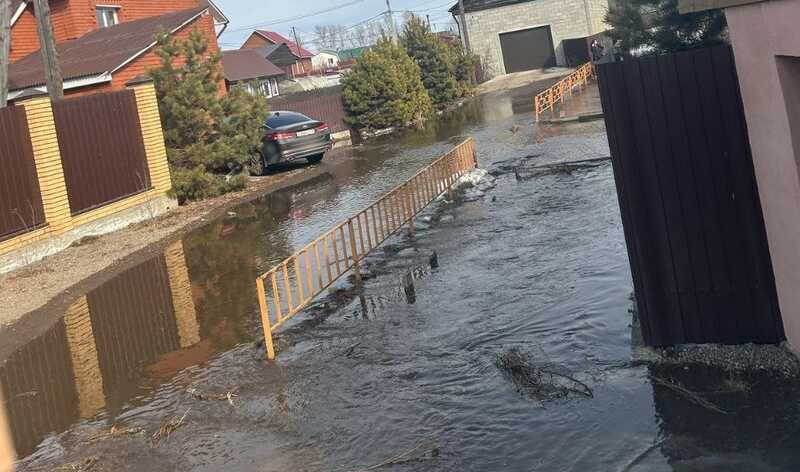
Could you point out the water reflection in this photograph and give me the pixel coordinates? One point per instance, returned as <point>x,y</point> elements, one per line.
<point>713,419</point>
<point>89,360</point>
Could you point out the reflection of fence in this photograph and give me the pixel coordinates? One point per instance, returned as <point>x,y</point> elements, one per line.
<point>551,97</point>
<point>297,280</point>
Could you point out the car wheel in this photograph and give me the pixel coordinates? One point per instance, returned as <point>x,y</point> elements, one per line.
<point>257,166</point>
<point>315,159</point>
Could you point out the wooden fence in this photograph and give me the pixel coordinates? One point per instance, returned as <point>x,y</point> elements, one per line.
<point>550,98</point>
<point>20,200</point>
<point>688,197</point>
<point>323,104</point>
<point>102,150</point>
<point>300,278</point>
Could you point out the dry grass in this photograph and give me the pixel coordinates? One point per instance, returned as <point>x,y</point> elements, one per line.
<point>168,427</point>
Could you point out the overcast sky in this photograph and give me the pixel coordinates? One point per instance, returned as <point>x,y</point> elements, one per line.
<point>281,15</point>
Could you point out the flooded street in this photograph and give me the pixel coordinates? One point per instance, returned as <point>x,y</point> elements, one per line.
<point>537,265</point>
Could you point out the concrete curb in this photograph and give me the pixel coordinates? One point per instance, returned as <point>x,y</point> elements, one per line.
<point>584,117</point>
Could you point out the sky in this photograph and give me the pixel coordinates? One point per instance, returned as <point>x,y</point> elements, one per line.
<point>281,15</point>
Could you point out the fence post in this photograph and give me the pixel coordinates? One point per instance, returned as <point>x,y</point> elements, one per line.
<point>262,305</point>
<point>152,133</point>
<point>47,158</point>
<point>355,256</point>
<point>410,206</point>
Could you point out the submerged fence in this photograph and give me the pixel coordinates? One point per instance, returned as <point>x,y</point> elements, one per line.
<point>548,99</point>
<point>288,288</point>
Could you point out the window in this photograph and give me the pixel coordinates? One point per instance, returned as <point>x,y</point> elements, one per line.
<point>107,16</point>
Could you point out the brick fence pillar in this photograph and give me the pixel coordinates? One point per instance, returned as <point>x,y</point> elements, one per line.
<point>152,133</point>
<point>47,157</point>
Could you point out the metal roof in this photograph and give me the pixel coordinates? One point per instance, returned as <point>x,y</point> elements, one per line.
<point>102,51</point>
<point>246,64</point>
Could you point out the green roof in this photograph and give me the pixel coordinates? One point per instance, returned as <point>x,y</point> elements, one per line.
<point>352,54</point>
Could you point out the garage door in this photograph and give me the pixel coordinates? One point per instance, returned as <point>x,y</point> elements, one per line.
<point>528,49</point>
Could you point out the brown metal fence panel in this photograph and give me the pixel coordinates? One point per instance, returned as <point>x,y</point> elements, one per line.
<point>102,149</point>
<point>688,197</point>
<point>20,200</point>
<point>323,105</point>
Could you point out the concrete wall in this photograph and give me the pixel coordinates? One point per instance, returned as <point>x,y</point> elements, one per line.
<point>62,228</point>
<point>766,44</point>
<point>567,19</point>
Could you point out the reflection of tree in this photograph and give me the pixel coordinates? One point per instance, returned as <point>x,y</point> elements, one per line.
<point>712,414</point>
<point>224,260</point>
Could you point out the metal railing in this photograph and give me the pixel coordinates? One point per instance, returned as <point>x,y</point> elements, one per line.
<point>548,99</point>
<point>291,285</point>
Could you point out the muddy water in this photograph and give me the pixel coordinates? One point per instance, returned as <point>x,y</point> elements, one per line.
<point>537,264</point>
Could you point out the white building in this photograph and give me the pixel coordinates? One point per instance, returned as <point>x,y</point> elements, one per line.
<point>517,35</point>
<point>325,59</point>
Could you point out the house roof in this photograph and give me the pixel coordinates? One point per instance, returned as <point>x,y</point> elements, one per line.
<point>354,53</point>
<point>477,5</point>
<point>278,54</point>
<point>277,38</point>
<point>102,51</point>
<point>246,64</point>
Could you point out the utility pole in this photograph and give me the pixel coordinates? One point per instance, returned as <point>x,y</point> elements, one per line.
<point>296,40</point>
<point>52,70</point>
<point>464,32</point>
<point>5,49</point>
<point>390,16</point>
<point>429,20</point>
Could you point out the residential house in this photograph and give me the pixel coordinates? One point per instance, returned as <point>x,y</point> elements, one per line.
<point>348,57</point>
<point>260,39</point>
<point>518,35</point>
<point>101,49</point>
<point>74,18</point>
<point>766,46</point>
<point>280,55</point>
<point>247,68</point>
<point>325,59</point>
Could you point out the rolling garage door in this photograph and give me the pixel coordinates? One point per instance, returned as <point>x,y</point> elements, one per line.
<point>528,49</point>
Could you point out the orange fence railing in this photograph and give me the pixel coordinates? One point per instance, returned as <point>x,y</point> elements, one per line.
<point>291,285</point>
<point>551,97</point>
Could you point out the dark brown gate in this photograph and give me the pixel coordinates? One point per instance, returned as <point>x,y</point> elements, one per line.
<point>20,200</point>
<point>689,201</point>
<point>102,150</point>
<point>528,49</point>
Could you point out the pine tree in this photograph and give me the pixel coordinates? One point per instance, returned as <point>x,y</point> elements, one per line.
<point>435,60</point>
<point>210,139</point>
<point>657,26</point>
<point>385,89</point>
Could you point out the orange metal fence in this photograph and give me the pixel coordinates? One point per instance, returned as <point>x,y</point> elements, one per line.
<point>289,287</point>
<point>551,97</point>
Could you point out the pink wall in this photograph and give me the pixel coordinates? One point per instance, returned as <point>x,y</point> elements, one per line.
<point>760,33</point>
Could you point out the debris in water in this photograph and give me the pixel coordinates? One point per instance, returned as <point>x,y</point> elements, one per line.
<point>350,350</point>
<point>409,289</point>
<point>227,396</point>
<point>425,447</point>
<point>83,466</point>
<point>169,427</point>
<point>542,381</point>
<point>117,431</point>
<point>688,394</point>
<point>434,260</point>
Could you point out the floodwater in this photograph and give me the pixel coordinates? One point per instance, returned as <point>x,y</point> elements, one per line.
<point>538,264</point>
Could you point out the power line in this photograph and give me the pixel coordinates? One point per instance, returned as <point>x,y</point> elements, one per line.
<point>295,17</point>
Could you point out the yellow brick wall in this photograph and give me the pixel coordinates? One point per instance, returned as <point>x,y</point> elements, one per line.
<point>51,176</point>
<point>153,135</point>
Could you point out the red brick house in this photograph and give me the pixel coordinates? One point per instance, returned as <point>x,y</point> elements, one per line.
<point>260,39</point>
<point>100,46</point>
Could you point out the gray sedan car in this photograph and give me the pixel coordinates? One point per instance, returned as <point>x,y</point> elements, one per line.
<point>291,136</point>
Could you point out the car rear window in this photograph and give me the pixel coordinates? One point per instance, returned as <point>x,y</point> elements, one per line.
<point>279,120</point>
